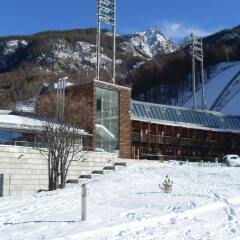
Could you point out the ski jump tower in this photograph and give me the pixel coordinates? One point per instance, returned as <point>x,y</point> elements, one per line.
<point>106,13</point>
<point>197,56</point>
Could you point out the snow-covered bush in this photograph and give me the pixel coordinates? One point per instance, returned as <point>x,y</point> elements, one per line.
<point>167,185</point>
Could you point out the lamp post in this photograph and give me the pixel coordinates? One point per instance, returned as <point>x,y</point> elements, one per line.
<point>197,55</point>
<point>106,13</point>
<point>61,85</point>
<point>84,202</point>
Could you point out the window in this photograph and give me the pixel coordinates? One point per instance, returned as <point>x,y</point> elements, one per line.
<point>99,104</point>
<point>107,120</point>
<point>11,136</point>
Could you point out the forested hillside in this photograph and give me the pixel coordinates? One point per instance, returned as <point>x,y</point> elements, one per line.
<point>28,61</point>
<point>155,68</point>
<point>163,80</point>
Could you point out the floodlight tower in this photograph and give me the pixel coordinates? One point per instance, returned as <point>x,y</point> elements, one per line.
<point>106,13</point>
<point>197,55</point>
<point>61,85</point>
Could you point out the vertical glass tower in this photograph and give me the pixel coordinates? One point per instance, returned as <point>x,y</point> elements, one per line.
<point>107,120</point>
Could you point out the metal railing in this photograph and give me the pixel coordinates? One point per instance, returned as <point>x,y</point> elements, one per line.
<point>33,144</point>
<point>184,142</point>
<point>17,143</point>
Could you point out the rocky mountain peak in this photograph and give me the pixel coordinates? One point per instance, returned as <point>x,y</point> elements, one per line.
<point>152,43</point>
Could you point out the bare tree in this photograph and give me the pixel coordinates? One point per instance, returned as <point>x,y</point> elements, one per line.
<point>60,139</point>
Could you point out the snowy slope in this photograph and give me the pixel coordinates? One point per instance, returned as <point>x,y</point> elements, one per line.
<point>233,107</point>
<point>129,205</point>
<point>218,80</point>
<point>11,46</point>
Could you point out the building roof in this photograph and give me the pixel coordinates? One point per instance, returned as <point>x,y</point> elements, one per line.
<point>184,117</point>
<point>10,122</point>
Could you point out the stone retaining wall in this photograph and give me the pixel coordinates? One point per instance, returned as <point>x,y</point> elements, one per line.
<point>25,170</point>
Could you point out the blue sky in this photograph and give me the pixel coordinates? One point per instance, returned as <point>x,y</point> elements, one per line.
<point>175,17</point>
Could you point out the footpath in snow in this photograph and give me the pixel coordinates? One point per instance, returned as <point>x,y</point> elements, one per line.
<point>128,204</point>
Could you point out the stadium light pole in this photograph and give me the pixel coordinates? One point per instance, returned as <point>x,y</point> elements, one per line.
<point>106,13</point>
<point>197,56</point>
<point>61,85</point>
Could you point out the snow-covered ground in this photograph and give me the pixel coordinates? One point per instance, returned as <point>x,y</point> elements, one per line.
<point>128,204</point>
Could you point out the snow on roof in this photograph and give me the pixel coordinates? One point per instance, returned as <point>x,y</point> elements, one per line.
<point>15,122</point>
<point>22,123</point>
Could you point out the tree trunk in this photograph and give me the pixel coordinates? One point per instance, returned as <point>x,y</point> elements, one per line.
<point>63,174</point>
<point>63,180</point>
<point>50,173</point>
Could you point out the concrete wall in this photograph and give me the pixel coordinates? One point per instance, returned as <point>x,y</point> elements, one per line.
<point>25,170</point>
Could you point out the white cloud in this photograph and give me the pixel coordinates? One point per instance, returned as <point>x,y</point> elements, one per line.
<point>177,30</point>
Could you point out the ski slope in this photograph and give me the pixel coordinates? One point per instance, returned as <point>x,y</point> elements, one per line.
<point>218,80</point>
<point>129,205</point>
<point>234,106</point>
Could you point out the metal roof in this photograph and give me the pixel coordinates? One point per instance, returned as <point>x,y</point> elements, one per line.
<point>171,115</point>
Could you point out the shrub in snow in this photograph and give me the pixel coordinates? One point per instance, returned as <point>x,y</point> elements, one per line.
<point>167,185</point>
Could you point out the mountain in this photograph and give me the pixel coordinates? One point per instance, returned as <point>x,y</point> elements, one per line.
<point>149,62</point>
<point>52,51</point>
<point>75,50</point>
<point>167,80</point>
<point>226,36</point>
<point>28,61</point>
<point>151,43</point>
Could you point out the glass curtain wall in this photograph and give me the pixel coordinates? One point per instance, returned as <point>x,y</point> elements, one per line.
<point>107,120</point>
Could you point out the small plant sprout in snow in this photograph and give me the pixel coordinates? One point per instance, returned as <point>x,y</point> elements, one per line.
<point>167,185</point>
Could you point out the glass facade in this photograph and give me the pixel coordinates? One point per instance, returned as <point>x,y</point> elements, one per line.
<point>107,120</point>
<point>11,137</point>
<point>8,135</point>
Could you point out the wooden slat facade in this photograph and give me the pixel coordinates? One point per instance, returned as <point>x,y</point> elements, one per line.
<point>170,142</point>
